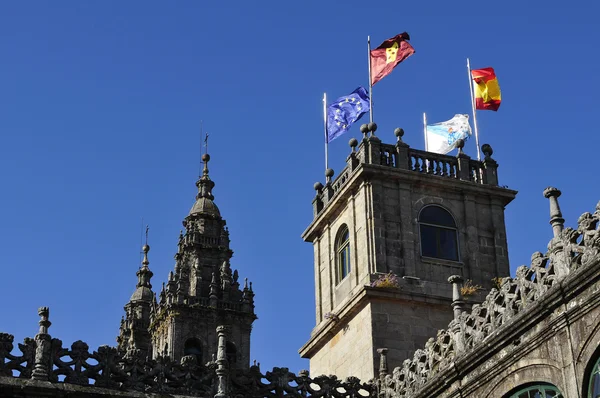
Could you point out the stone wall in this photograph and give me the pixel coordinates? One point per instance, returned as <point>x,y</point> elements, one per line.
<point>349,352</point>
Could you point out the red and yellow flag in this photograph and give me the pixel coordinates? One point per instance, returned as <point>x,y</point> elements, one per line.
<point>487,90</point>
<point>389,54</point>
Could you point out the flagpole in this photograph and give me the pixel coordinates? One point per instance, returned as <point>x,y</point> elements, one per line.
<point>370,80</point>
<point>325,129</point>
<point>473,107</point>
<point>425,131</point>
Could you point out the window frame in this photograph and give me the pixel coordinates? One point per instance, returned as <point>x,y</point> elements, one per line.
<point>592,368</point>
<point>439,226</point>
<point>343,251</point>
<point>532,387</point>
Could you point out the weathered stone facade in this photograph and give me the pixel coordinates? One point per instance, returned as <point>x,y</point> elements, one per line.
<point>378,197</point>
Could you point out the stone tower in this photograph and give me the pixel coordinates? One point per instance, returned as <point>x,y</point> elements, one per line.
<point>418,215</point>
<point>201,293</point>
<point>134,334</point>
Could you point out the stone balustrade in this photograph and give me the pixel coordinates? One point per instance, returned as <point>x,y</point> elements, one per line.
<point>371,151</point>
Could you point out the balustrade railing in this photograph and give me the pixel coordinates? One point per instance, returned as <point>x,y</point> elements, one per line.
<point>433,163</point>
<point>401,156</point>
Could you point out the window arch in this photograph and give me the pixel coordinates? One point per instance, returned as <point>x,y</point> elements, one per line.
<point>342,250</point>
<point>439,236</point>
<point>539,390</point>
<point>193,347</point>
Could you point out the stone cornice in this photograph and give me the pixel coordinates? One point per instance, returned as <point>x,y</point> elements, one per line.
<point>366,294</point>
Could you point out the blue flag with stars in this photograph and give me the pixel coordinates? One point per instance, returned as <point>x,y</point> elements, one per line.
<point>345,111</point>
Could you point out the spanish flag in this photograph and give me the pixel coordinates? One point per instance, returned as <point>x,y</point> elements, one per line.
<point>487,90</point>
<point>389,54</point>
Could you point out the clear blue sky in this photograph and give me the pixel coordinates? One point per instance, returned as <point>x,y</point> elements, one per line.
<point>100,108</point>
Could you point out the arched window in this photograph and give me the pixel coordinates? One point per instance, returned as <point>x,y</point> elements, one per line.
<point>439,237</point>
<point>231,352</point>
<point>542,390</point>
<point>193,347</point>
<point>343,252</point>
<point>593,385</point>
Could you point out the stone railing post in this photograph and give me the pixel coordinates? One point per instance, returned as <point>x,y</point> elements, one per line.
<point>383,364</point>
<point>403,161</point>
<point>222,364</point>
<point>556,219</point>
<point>42,362</point>
<point>464,160</point>
<point>373,146</point>
<point>318,201</point>
<point>328,189</point>
<point>457,298</point>
<point>490,165</point>
<point>352,159</point>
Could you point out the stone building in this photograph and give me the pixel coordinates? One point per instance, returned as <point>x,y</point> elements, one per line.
<point>397,234</point>
<point>421,217</point>
<point>201,293</point>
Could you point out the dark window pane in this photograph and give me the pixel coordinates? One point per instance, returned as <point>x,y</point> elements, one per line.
<point>448,246</point>
<point>437,216</point>
<point>429,241</point>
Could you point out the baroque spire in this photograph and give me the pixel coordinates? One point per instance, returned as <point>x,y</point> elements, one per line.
<point>204,183</point>
<point>144,274</point>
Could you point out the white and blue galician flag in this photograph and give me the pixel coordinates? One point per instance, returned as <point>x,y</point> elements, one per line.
<point>442,137</point>
<point>345,111</point>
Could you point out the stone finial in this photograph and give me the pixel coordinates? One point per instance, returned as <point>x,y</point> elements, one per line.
<point>144,274</point>
<point>364,128</point>
<point>399,133</point>
<point>372,128</point>
<point>222,370</point>
<point>303,373</point>
<point>460,144</point>
<point>44,313</point>
<point>487,151</point>
<point>457,298</point>
<point>318,186</point>
<point>213,295</point>
<point>328,174</point>
<point>556,219</point>
<point>41,369</point>
<point>204,183</point>
<point>383,364</point>
<point>353,144</point>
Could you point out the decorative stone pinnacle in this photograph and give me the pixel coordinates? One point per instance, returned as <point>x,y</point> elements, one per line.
<point>383,365</point>
<point>353,144</point>
<point>44,313</point>
<point>372,128</point>
<point>487,151</point>
<point>556,219</point>
<point>399,133</point>
<point>364,128</point>
<point>457,299</point>
<point>318,186</point>
<point>460,144</point>
<point>204,183</point>
<point>328,174</point>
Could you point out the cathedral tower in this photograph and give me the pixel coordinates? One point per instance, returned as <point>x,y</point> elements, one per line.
<point>387,234</point>
<point>202,292</point>
<point>133,334</point>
